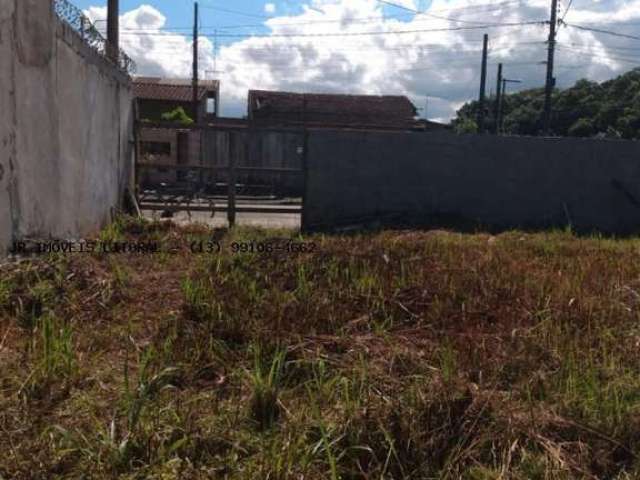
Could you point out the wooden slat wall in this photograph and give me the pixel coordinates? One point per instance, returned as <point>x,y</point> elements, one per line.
<point>267,149</point>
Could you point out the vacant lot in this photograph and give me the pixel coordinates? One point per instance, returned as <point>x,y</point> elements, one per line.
<point>386,355</point>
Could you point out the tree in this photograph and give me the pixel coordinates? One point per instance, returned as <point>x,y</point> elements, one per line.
<point>586,109</point>
<point>178,115</point>
<point>584,127</point>
<point>466,125</point>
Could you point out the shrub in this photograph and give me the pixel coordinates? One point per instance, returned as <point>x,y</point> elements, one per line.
<point>177,115</point>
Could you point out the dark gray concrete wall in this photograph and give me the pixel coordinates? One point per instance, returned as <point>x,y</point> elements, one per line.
<point>494,182</point>
<point>66,125</point>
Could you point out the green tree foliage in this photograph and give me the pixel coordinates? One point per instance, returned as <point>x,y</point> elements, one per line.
<point>588,109</point>
<point>465,125</point>
<point>178,115</point>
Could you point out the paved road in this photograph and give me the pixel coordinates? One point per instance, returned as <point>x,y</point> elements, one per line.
<point>266,220</point>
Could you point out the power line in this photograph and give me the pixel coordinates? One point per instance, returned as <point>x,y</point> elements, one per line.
<point>364,20</point>
<point>360,34</point>
<point>566,11</point>
<point>605,45</point>
<point>494,7</point>
<point>635,61</point>
<point>599,50</point>
<point>439,17</point>
<point>483,7</point>
<point>599,30</point>
<point>236,12</point>
<point>181,42</point>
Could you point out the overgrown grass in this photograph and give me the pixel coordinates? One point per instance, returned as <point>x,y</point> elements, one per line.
<point>404,355</point>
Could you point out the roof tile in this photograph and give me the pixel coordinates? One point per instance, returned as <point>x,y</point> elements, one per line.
<point>178,90</point>
<point>335,109</point>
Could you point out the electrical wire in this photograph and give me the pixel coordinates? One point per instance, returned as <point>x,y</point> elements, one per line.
<point>439,17</point>
<point>635,61</point>
<point>566,11</point>
<point>483,7</point>
<point>597,50</point>
<point>599,30</point>
<point>236,12</point>
<point>359,34</point>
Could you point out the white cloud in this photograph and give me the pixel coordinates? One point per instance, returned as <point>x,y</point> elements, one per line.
<point>270,8</point>
<point>331,56</point>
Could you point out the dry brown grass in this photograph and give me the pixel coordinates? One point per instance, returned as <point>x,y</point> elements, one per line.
<point>380,355</point>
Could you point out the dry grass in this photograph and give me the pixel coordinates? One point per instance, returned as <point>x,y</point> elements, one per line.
<point>390,355</point>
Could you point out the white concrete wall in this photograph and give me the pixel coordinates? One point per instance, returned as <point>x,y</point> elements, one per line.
<point>66,127</point>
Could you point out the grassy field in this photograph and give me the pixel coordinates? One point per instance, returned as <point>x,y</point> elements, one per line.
<point>390,355</point>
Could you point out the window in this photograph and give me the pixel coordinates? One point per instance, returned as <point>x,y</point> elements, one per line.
<point>211,104</point>
<point>155,148</point>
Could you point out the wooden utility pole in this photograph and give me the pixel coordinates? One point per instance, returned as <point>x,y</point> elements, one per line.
<point>498,105</point>
<point>113,31</point>
<point>550,83</point>
<point>483,85</point>
<point>195,63</point>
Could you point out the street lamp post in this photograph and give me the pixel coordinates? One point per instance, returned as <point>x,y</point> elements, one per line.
<point>501,103</point>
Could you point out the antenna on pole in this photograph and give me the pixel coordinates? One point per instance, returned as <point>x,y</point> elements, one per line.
<point>215,50</point>
<point>215,70</point>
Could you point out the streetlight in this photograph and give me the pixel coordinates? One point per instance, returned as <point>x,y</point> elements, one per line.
<point>501,100</point>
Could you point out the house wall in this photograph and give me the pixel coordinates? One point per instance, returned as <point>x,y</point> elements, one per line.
<point>66,126</point>
<point>148,177</point>
<point>441,179</point>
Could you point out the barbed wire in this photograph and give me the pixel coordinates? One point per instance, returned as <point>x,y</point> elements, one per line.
<point>80,23</point>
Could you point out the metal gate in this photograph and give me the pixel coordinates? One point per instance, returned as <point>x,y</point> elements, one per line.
<point>219,169</point>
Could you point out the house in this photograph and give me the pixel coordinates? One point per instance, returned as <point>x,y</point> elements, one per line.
<point>424,125</point>
<point>286,109</point>
<point>157,97</point>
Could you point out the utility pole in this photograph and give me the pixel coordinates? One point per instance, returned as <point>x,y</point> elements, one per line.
<point>113,31</point>
<point>548,91</point>
<point>504,93</point>
<point>483,85</point>
<point>498,106</point>
<point>195,63</point>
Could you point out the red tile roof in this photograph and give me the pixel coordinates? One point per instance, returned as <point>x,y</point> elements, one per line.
<point>177,90</point>
<point>331,109</point>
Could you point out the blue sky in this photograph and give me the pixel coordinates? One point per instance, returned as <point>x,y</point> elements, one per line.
<point>364,47</point>
<point>180,12</point>
<point>242,15</point>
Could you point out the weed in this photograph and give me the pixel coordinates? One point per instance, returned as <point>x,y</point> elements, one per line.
<point>404,355</point>
<point>121,276</point>
<point>265,379</point>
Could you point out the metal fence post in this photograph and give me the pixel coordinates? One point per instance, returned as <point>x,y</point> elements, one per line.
<point>231,179</point>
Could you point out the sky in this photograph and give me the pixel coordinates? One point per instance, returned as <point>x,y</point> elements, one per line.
<point>428,50</point>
